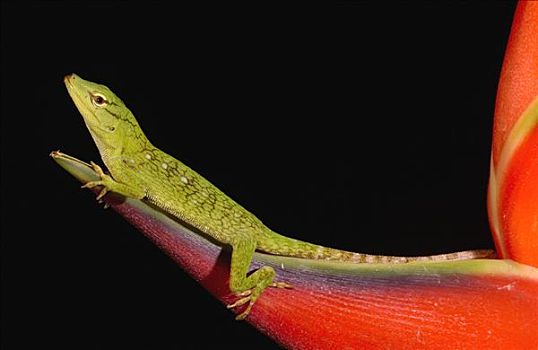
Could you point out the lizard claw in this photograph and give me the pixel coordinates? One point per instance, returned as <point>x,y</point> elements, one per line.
<point>245,297</point>
<point>99,171</point>
<point>245,313</point>
<point>102,193</point>
<point>93,184</point>
<point>245,293</point>
<point>241,302</point>
<point>105,204</point>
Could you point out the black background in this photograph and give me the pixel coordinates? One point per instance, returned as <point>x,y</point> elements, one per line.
<point>364,126</point>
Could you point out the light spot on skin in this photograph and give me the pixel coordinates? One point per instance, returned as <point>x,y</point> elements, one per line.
<point>148,156</point>
<point>319,252</point>
<point>184,180</point>
<point>164,165</point>
<point>356,257</point>
<point>370,259</point>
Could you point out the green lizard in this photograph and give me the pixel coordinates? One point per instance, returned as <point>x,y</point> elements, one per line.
<point>140,170</point>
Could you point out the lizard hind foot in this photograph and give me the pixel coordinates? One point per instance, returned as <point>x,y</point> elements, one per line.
<point>247,297</point>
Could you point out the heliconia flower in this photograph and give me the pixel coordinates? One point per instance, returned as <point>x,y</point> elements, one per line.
<point>470,304</point>
<point>513,186</point>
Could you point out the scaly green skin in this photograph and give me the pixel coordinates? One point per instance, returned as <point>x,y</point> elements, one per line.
<point>142,171</point>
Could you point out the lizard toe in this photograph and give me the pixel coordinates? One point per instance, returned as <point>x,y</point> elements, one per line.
<point>239,302</point>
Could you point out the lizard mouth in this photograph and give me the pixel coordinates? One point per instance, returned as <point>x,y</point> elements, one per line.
<point>76,94</point>
<point>67,79</point>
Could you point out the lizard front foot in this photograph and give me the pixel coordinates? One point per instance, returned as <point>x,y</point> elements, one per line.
<point>106,181</point>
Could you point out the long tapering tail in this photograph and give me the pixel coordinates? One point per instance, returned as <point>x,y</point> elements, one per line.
<point>281,245</point>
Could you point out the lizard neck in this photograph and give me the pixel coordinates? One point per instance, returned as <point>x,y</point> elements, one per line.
<point>127,153</point>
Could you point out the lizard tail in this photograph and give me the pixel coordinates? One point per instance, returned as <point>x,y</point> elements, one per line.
<point>285,246</point>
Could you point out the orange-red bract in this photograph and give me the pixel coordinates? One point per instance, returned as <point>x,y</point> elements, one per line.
<point>513,191</point>
<point>469,304</point>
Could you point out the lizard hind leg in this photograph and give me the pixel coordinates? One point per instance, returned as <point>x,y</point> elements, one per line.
<point>248,288</point>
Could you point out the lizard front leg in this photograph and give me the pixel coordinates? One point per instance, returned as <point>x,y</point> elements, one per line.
<point>109,184</point>
<point>249,288</point>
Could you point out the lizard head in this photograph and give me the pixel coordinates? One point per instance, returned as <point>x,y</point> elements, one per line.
<point>109,121</point>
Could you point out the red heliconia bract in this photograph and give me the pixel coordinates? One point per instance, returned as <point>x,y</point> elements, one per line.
<point>513,187</point>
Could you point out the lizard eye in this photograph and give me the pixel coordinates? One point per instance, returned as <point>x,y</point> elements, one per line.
<point>99,100</point>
